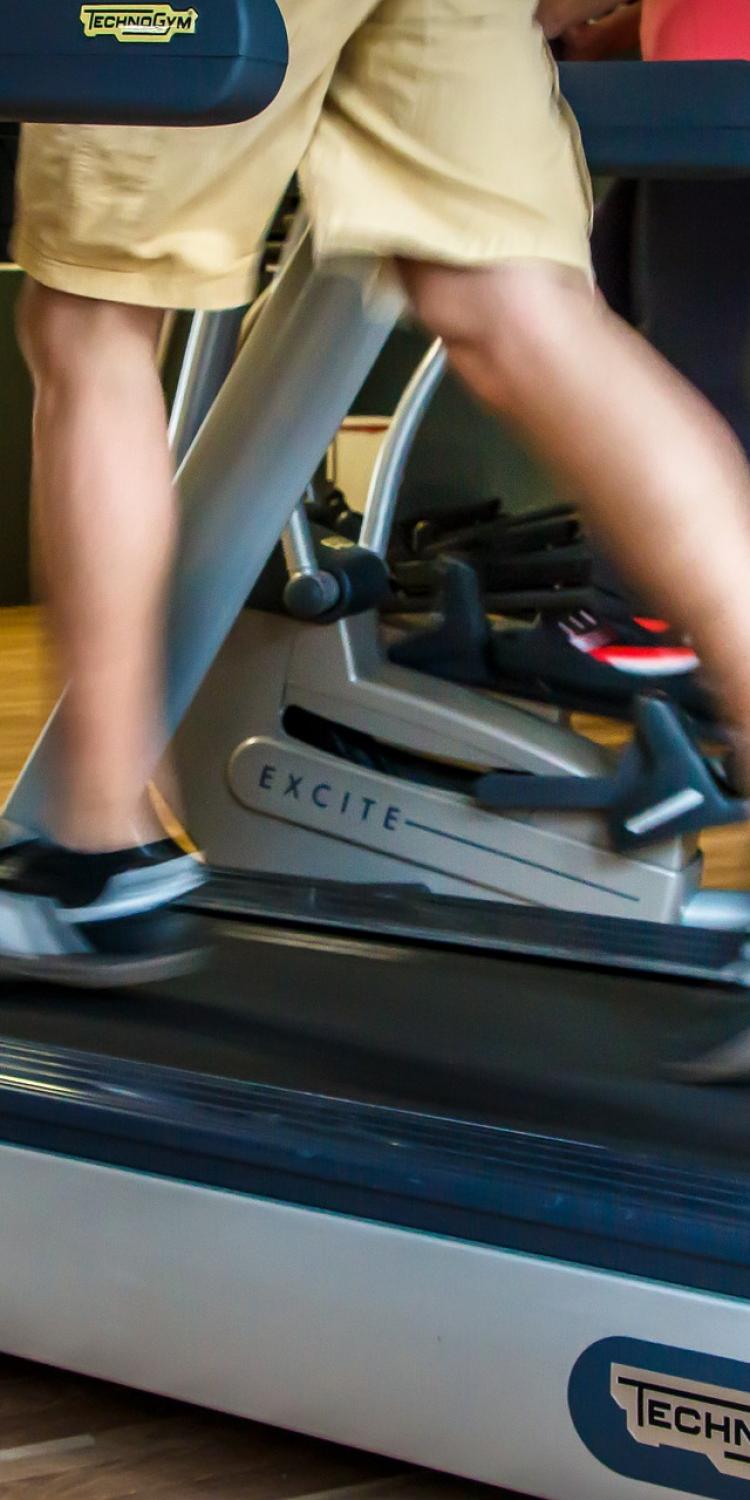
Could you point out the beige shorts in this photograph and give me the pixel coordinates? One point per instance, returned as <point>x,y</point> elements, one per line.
<point>431,129</point>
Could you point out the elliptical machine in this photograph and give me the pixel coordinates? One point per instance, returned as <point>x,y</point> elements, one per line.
<point>337,762</point>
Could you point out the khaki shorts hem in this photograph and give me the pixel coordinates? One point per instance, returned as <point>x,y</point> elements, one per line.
<point>140,288</point>
<point>471,255</point>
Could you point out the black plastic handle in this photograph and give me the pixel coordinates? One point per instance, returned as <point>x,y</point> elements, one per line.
<point>688,119</point>
<point>662,788</point>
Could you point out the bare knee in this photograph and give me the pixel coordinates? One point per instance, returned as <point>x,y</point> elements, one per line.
<point>495,320</point>
<point>63,337</point>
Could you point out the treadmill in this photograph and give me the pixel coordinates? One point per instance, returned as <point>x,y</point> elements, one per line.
<point>414,1174</point>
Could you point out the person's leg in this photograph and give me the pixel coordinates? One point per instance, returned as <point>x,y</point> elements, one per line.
<point>694,309</point>
<point>613,621</point>
<point>91,902</point>
<point>659,473</point>
<point>105,524</point>
<point>113,225</point>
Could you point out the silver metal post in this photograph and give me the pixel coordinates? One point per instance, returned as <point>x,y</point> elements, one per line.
<point>209,354</point>
<point>382,499</point>
<point>298,546</point>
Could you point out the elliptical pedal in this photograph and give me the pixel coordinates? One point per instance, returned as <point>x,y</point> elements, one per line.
<point>663,785</point>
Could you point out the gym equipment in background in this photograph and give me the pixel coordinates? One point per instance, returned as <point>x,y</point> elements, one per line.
<point>584,645</point>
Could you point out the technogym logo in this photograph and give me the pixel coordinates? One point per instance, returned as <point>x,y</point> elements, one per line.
<point>664,1416</point>
<point>138,23</point>
<point>687,1415</point>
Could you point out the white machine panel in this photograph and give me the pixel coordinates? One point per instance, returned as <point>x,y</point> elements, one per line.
<point>437,1352</point>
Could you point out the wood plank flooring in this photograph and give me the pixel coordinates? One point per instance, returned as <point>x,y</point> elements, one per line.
<point>25,689</point>
<point>66,1438</point>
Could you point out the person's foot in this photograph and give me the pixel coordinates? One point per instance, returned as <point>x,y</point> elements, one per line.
<point>601,665</point>
<point>96,920</point>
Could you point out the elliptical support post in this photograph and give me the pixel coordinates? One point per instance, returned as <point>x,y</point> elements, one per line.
<point>388,474</point>
<point>209,355</point>
<point>280,408</point>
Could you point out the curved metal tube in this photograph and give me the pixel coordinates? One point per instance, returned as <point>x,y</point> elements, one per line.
<point>210,352</point>
<point>394,455</point>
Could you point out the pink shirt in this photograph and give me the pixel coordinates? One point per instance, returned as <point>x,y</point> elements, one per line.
<point>694,30</point>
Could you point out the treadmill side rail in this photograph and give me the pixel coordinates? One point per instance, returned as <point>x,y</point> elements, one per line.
<point>641,1213</point>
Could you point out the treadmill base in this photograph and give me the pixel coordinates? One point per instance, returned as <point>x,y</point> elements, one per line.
<point>434,1351</point>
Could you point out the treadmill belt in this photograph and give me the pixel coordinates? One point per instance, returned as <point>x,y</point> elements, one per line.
<point>462,1035</point>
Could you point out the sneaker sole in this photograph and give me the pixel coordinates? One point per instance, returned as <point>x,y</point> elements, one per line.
<point>93,973</point>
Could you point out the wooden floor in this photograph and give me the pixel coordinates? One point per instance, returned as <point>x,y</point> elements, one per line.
<point>65,1438</point>
<point>25,692</point>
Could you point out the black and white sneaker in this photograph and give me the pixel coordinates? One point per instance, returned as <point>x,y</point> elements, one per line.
<point>96,920</point>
